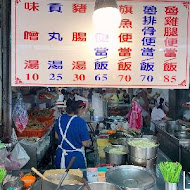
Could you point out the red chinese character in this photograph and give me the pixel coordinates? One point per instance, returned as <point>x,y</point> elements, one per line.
<point>171,10</point>
<point>81,8</point>
<point>31,64</point>
<point>79,65</point>
<point>171,42</point>
<point>79,36</point>
<point>126,23</point>
<point>32,6</point>
<point>125,37</point>
<point>171,21</point>
<point>170,66</point>
<point>33,35</point>
<point>124,66</point>
<point>124,9</point>
<point>169,52</point>
<point>125,52</point>
<point>171,31</point>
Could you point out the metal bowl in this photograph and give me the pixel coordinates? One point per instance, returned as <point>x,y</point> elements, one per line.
<point>131,177</point>
<point>116,159</point>
<point>143,153</point>
<point>101,186</point>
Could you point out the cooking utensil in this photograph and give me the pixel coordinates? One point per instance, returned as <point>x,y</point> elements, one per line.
<point>38,173</point>
<point>86,184</point>
<point>66,172</point>
<point>116,159</point>
<point>118,139</point>
<point>143,153</point>
<point>131,177</point>
<point>101,186</point>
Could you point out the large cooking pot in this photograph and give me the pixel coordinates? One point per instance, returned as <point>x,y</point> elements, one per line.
<point>101,186</point>
<point>131,177</point>
<point>143,153</point>
<point>115,159</point>
<point>16,185</point>
<point>171,126</point>
<point>149,164</point>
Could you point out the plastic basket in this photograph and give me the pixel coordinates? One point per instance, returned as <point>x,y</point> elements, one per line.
<point>43,119</point>
<point>34,132</point>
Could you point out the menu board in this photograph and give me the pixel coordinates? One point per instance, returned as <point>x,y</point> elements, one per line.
<point>54,43</point>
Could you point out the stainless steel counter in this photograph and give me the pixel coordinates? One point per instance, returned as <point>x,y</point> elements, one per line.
<point>160,184</point>
<point>176,149</point>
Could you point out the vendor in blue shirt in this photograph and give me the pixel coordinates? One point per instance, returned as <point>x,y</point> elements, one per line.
<point>72,134</point>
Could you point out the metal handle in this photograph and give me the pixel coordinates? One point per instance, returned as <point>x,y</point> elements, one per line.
<point>70,163</point>
<point>66,172</point>
<point>86,184</point>
<point>38,173</point>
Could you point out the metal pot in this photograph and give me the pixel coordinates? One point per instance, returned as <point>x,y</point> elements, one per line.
<point>16,185</point>
<point>131,177</point>
<point>102,186</point>
<point>182,135</point>
<point>116,159</point>
<point>149,164</point>
<point>118,139</point>
<point>143,153</point>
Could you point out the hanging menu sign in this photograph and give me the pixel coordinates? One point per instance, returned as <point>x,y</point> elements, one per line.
<point>54,43</point>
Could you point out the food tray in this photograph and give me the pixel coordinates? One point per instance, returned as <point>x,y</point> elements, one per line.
<point>43,119</point>
<point>34,132</point>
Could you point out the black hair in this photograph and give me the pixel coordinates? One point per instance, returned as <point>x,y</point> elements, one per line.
<point>74,106</point>
<point>161,103</point>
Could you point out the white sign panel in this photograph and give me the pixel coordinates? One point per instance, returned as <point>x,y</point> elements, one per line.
<point>54,43</point>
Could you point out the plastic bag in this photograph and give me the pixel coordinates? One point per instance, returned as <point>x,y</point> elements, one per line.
<point>17,158</point>
<point>20,115</point>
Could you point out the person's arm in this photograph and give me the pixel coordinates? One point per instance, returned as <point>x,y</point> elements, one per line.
<point>85,143</point>
<point>57,129</point>
<point>167,118</point>
<point>56,136</point>
<point>84,134</point>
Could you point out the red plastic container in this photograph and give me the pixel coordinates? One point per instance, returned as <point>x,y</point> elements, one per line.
<point>35,132</point>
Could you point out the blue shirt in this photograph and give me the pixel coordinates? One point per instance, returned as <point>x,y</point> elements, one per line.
<point>76,133</point>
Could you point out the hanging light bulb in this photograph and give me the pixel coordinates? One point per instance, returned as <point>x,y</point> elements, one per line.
<point>106,15</point>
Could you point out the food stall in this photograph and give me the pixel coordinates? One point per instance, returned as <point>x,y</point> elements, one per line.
<point>141,47</point>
